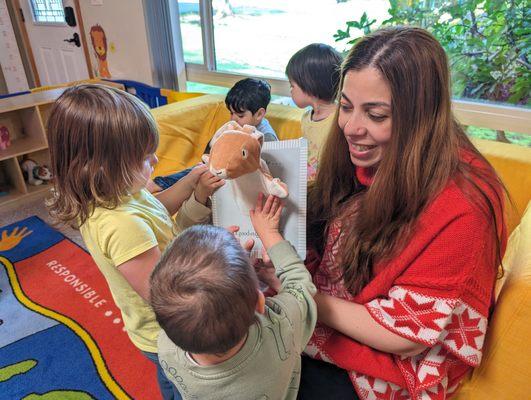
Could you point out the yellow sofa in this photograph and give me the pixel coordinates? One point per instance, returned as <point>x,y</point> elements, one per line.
<point>187,126</point>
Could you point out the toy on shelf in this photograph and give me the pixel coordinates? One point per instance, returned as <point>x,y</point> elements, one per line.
<point>34,173</point>
<point>235,155</point>
<point>5,142</point>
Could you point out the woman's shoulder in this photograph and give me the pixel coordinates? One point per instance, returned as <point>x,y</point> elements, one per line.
<point>469,188</point>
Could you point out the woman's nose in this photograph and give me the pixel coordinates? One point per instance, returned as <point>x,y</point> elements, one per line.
<point>354,126</point>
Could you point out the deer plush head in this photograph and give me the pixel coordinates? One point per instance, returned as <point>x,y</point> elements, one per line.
<point>235,151</point>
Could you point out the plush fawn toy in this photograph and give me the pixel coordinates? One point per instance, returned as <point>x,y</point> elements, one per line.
<point>235,156</point>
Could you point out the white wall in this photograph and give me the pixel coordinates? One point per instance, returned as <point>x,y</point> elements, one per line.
<point>13,76</point>
<point>123,22</point>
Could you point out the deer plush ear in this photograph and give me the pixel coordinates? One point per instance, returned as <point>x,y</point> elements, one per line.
<point>251,130</point>
<point>258,136</point>
<point>229,126</point>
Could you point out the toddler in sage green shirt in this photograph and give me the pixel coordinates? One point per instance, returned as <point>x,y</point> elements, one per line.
<point>220,338</point>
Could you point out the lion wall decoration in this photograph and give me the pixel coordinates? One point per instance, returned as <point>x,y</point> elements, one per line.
<point>99,43</point>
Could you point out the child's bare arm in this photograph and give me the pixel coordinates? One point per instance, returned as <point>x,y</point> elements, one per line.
<point>137,270</point>
<point>266,220</point>
<point>295,295</point>
<point>173,197</point>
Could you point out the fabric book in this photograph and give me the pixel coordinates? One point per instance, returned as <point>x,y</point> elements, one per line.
<point>286,160</point>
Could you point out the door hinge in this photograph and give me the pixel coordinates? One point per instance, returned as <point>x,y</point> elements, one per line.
<point>22,15</point>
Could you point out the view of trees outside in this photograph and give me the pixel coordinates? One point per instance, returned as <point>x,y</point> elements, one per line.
<point>256,37</point>
<point>488,41</point>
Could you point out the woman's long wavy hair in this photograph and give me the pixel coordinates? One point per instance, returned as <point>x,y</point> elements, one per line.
<point>424,152</point>
<point>99,137</point>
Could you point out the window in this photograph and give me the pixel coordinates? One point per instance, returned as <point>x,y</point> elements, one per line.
<point>190,22</point>
<point>46,11</point>
<point>486,42</point>
<point>256,37</point>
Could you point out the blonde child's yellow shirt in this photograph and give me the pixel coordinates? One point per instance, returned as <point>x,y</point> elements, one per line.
<point>115,236</point>
<point>316,133</point>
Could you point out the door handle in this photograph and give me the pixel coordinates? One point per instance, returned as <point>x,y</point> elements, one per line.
<point>74,39</point>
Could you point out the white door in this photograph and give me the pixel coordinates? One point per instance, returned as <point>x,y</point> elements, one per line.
<point>57,60</point>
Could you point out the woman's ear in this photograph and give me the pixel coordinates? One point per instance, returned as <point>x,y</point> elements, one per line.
<point>260,304</point>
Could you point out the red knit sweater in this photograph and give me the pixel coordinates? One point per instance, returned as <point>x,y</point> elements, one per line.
<point>438,291</point>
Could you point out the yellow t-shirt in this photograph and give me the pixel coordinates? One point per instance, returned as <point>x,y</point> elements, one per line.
<point>316,133</point>
<point>115,236</point>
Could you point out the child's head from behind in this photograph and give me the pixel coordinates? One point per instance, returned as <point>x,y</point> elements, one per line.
<point>101,142</point>
<point>204,291</point>
<point>247,101</point>
<point>314,71</point>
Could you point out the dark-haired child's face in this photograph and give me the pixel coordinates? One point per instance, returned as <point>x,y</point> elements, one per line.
<point>299,97</point>
<point>246,117</point>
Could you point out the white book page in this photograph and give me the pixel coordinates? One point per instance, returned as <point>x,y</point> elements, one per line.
<point>286,160</point>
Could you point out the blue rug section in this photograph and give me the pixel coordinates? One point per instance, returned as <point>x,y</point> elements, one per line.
<point>42,238</point>
<point>63,363</point>
<point>17,321</point>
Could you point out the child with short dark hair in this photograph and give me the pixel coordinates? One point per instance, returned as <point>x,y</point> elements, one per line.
<point>247,103</point>
<point>313,74</point>
<point>221,338</point>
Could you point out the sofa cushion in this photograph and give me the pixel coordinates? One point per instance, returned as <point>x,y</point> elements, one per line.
<point>185,129</point>
<point>504,370</point>
<point>513,165</point>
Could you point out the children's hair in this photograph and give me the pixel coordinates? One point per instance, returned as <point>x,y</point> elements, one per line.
<point>204,291</point>
<point>99,137</point>
<point>249,94</point>
<point>316,70</point>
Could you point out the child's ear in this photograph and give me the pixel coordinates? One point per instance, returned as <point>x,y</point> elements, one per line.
<point>260,304</point>
<point>260,114</point>
<point>205,158</point>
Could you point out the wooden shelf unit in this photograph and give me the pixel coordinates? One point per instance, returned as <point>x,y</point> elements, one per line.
<point>25,117</point>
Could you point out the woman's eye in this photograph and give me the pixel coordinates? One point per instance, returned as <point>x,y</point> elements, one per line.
<point>345,107</point>
<point>377,117</point>
<point>244,153</point>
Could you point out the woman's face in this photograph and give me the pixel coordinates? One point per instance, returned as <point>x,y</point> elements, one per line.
<point>365,116</point>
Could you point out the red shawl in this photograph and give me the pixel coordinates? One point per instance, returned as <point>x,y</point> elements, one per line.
<point>438,291</point>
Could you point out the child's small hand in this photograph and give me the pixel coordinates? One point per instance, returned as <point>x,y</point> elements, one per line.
<point>196,173</point>
<point>206,186</point>
<point>265,270</point>
<point>249,243</point>
<point>266,219</point>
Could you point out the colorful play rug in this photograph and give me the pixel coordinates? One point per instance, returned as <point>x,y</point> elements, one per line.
<point>61,335</point>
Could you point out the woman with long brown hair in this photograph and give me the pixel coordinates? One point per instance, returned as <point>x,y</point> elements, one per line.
<point>405,225</point>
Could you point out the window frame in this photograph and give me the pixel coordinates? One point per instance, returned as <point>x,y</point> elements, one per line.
<point>45,23</point>
<point>468,112</point>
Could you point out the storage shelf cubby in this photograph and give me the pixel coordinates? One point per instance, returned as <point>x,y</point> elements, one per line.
<point>25,118</point>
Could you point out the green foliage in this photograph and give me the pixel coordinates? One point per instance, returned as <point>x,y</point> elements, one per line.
<point>488,42</point>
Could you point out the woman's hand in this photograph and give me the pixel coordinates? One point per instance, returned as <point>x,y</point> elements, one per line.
<point>266,220</point>
<point>207,184</point>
